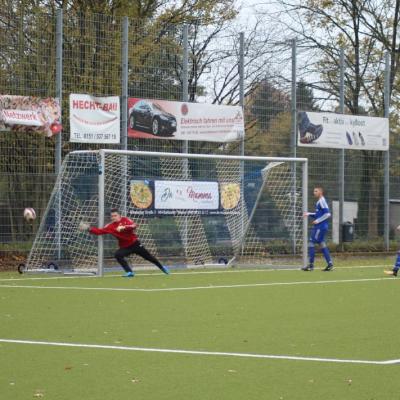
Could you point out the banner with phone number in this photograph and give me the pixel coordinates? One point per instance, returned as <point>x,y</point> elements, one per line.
<point>94,119</point>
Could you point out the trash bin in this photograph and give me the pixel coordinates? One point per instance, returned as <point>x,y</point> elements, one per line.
<point>348,231</point>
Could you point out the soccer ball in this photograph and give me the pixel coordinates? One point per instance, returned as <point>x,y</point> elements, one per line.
<point>29,214</point>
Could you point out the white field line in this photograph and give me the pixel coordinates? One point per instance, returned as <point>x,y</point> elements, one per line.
<point>183,273</point>
<point>188,288</point>
<point>202,353</point>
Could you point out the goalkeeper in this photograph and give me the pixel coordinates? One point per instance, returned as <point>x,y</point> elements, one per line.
<point>319,230</point>
<point>124,229</point>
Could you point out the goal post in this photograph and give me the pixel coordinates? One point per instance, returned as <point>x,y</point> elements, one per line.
<point>192,210</point>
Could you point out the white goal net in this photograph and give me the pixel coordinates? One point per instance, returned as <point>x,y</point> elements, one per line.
<point>191,210</point>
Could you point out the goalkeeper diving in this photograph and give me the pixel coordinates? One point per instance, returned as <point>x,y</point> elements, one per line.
<point>124,229</point>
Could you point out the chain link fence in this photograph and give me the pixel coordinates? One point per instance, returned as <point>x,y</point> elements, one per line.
<point>272,80</point>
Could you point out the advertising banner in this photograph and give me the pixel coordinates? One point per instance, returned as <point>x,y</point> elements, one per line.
<point>339,131</point>
<point>163,119</point>
<point>21,117</point>
<point>94,119</point>
<point>175,195</point>
<point>30,114</point>
<point>162,197</point>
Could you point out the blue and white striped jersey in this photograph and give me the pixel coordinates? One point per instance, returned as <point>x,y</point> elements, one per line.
<point>322,213</point>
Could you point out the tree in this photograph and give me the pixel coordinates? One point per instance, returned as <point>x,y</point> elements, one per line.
<point>305,97</point>
<point>268,111</point>
<point>365,29</point>
<point>91,64</point>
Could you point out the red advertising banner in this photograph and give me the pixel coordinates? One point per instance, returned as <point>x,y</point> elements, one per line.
<point>30,114</point>
<point>161,119</point>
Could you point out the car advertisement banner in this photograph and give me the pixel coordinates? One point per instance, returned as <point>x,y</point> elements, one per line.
<point>162,119</point>
<point>339,131</point>
<point>94,119</point>
<point>162,197</point>
<point>30,114</point>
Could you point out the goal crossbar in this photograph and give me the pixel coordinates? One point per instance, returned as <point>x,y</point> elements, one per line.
<point>191,155</point>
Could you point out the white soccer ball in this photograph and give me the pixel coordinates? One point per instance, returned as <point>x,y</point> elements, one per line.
<point>29,214</point>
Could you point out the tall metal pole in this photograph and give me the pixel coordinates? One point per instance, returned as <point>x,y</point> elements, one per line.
<point>124,83</point>
<point>294,136</point>
<point>185,97</point>
<point>58,145</point>
<point>241,149</point>
<point>124,108</point>
<point>185,72</point>
<point>294,98</point>
<point>387,158</point>
<point>100,247</point>
<point>59,69</point>
<point>342,151</point>
<point>241,83</point>
<point>305,208</point>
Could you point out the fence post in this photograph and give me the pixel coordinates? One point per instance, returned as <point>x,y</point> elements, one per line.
<point>101,183</point>
<point>304,209</point>
<point>342,152</point>
<point>185,97</point>
<point>241,103</point>
<point>294,98</point>
<point>293,140</point>
<point>386,184</point>
<point>185,68</point>
<point>124,83</point>
<point>59,70</point>
<point>124,107</point>
<point>241,82</point>
<point>58,144</point>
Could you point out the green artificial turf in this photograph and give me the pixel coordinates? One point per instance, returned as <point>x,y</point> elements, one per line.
<point>257,312</point>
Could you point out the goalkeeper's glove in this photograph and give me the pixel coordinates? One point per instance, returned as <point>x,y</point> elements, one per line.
<point>83,226</point>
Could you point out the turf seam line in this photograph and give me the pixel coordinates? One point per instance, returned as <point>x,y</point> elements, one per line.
<point>201,352</point>
<point>183,273</point>
<point>177,289</point>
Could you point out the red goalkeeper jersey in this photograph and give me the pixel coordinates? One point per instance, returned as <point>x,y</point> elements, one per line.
<point>125,238</point>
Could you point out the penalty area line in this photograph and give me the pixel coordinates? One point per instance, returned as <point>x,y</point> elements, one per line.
<point>201,352</point>
<point>188,288</point>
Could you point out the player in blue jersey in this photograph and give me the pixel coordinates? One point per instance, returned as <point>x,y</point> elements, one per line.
<point>319,230</point>
<point>396,267</point>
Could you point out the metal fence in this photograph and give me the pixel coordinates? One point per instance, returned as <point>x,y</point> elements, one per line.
<point>54,55</point>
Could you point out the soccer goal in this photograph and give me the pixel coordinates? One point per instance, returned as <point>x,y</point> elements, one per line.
<point>192,210</point>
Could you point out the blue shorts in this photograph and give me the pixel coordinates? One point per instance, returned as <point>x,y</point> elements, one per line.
<point>318,234</point>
